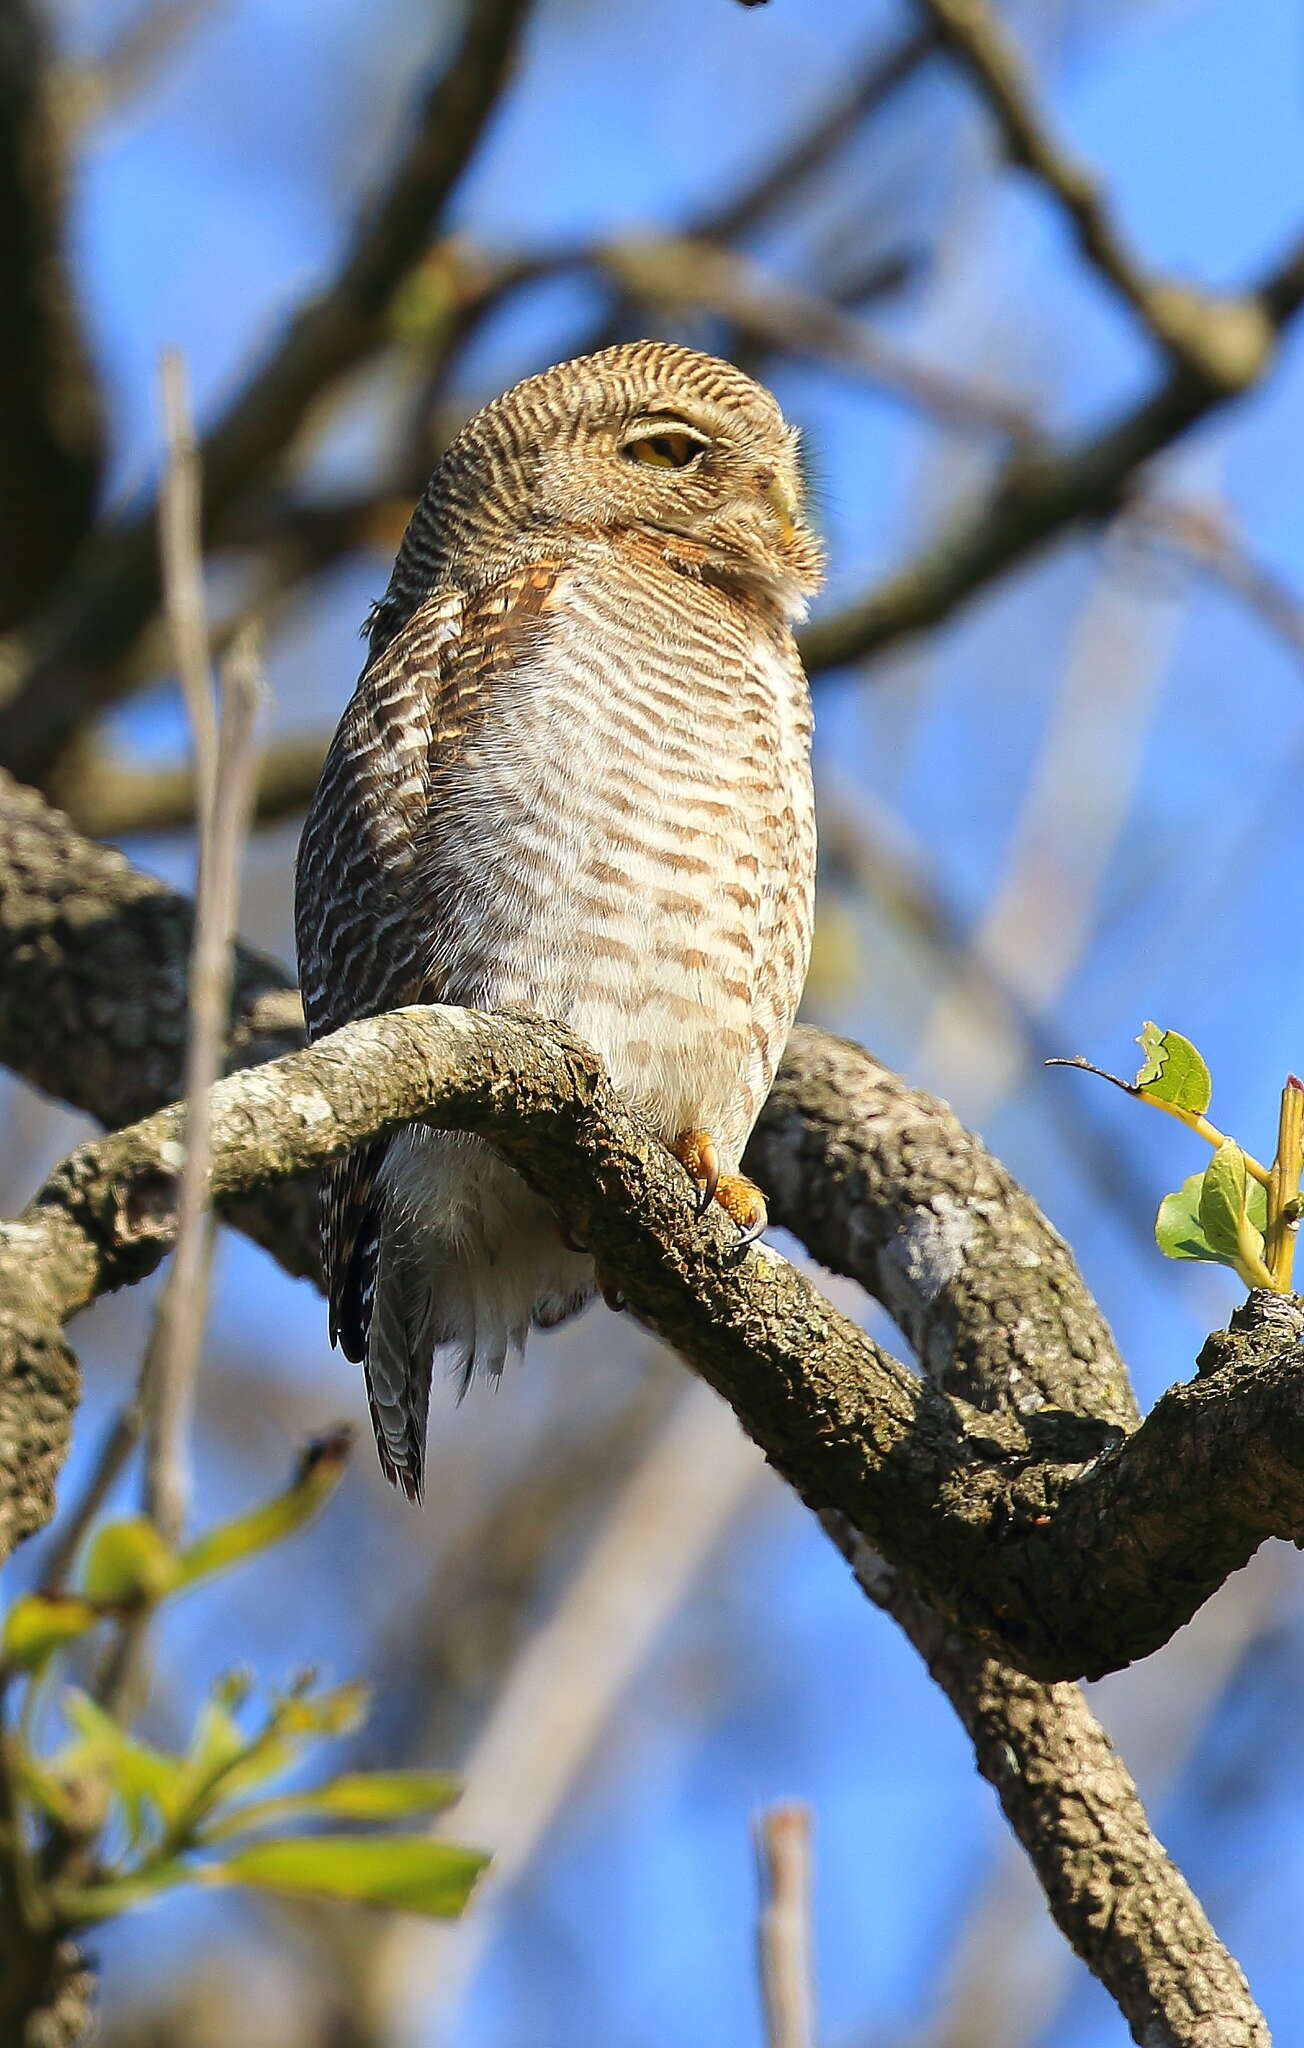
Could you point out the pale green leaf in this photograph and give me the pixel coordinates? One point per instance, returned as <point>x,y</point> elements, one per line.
<point>408,1871</point>
<point>40,1623</point>
<point>145,1780</point>
<point>1179,1231</point>
<point>1172,1071</point>
<point>361,1795</point>
<point>128,1563</point>
<point>1223,1202</point>
<point>83,1906</point>
<point>320,1471</point>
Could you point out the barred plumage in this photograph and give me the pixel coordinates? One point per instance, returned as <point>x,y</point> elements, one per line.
<point>574,779</point>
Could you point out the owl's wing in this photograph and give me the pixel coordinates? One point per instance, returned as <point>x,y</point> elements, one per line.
<point>363,940</point>
<point>367,904</point>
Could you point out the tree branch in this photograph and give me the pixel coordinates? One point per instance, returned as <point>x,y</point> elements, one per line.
<point>887,1173</point>
<point>1208,336</point>
<point>1072,1547</point>
<point>51,441</point>
<point>1036,498</point>
<point>68,667</point>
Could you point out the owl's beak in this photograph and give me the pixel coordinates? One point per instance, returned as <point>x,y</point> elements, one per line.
<point>780,500</point>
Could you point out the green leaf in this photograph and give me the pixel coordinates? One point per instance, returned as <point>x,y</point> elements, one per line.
<point>404,1870</point>
<point>361,1795</point>
<point>83,1906</point>
<point>1172,1071</point>
<point>1224,1200</point>
<point>1180,1232</point>
<point>319,1473</point>
<point>41,1623</point>
<point>145,1780</point>
<point>128,1564</point>
<point>77,1804</point>
<point>339,1711</point>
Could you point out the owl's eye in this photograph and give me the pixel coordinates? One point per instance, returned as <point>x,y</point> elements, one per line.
<point>674,449</point>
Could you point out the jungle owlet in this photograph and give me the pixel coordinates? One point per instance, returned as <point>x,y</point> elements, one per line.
<point>574,779</point>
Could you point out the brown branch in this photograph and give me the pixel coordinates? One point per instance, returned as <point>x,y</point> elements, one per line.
<point>887,1174</point>
<point>67,669</point>
<point>880,1172</point>
<point>1065,1543</point>
<point>51,440</point>
<point>781,178</point>
<point>1037,498</point>
<point>1209,336</point>
<point>673,272</point>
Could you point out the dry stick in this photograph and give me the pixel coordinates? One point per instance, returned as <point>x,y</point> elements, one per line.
<point>183,1305</point>
<point>1201,332</point>
<point>774,186</point>
<point>692,1482</point>
<point>71,666</point>
<point>783,1840</point>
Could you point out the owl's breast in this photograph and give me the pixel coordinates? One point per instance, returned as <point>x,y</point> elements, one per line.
<point>629,847</point>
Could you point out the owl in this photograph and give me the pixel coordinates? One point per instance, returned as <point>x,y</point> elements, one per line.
<point>574,780</point>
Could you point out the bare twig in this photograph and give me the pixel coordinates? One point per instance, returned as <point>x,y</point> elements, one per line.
<point>51,431</point>
<point>783,1840</point>
<point>168,1379</point>
<point>1034,500</point>
<point>692,1483</point>
<point>1200,534</point>
<point>668,271</point>
<point>1215,338</point>
<point>781,178</point>
<point>127,64</point>
<point>69,667</point>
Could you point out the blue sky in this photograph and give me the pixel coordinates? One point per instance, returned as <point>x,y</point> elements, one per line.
<point>203,213</point>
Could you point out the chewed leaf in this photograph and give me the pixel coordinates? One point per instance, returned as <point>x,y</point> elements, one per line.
<point>128,1563</point>
<point>1172,1071</point>
<point>405,1870</point>
<point>41,1623</point>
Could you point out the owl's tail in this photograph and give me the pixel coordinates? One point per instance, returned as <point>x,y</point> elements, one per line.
<point>453,1260</point>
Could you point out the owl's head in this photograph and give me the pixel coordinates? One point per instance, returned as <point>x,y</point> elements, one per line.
<point>647,439</point>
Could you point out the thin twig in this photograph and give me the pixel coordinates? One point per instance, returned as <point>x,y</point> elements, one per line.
<point>224,760</point>
<point>783,1840</point>
<point>183,1304</point>
<point>669,271</point>
<point>1188,324</point>
<point>779,181</point>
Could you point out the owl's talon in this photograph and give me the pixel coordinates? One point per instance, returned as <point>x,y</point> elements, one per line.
<point>610,1293</point>
<point>743,1201</point>
<point>696,1150</point>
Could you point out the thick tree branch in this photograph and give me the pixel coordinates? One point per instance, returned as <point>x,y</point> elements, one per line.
<point>882,1178</point>
<point>69,667</point>
<point>1074,1558</point>
<point>50,425</point>
<point>885,1170</point>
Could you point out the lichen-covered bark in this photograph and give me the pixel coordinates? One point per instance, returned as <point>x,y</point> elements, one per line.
<point>874,1175</point>
<point>888,1187</point>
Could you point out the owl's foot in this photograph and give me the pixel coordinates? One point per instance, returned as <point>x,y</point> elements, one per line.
<point>696,1150</point>
<point>740,1198</point>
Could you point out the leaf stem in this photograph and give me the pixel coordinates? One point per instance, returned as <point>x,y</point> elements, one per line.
<point>1209,1132</point>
